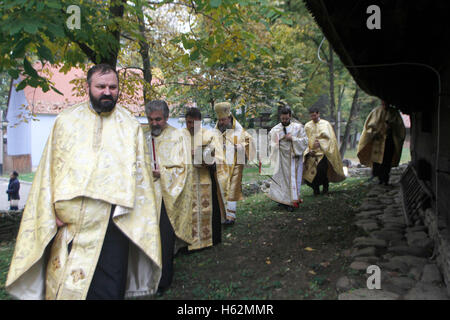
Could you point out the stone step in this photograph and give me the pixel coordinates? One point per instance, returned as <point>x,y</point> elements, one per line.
<point>364,221</point>
<point>359,265</point>
<point>418,239</point>
<point>426,291</point>
<point>369,242</point>
<point>345,283</point>
<point>394,266</point>
<point>368,259</point>
<point>371,207</point>
<point>403,282</point>
<point>409,251</point>
<point>417,228</point>
<point>365,252</point>
<point>394,228</point>
<point>411,261</point>
<point>368,214</point>
<point>367,294</point>
<point>431,274</point>
<point>387,235</point>
<point>391,219</point>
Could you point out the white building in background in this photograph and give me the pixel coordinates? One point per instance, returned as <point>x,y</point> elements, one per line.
<point>31,113</point>
<point>40,131</point>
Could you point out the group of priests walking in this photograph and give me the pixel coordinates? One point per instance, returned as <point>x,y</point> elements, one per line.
<point>112,201</point>
<point>310,154</point>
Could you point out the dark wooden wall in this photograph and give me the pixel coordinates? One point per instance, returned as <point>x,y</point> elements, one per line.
<point>430,148</point>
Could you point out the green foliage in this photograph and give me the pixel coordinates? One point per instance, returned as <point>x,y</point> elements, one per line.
<point>37,30</point>
<point>256,54</point>
<point>243,52</point>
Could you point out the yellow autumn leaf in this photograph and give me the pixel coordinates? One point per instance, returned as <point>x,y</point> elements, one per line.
<point>309,249</point>
<point>312,272</point>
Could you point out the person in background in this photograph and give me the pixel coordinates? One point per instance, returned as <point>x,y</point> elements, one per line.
<point>288,141</point>
<point>171,167</point>
<point>238,148</point>
<point>208,199</point>
<point>13,191</point>
<point>322,160</point>
<point>381,143</point>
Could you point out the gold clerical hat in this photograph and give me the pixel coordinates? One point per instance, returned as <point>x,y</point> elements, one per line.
<point>222,109</point>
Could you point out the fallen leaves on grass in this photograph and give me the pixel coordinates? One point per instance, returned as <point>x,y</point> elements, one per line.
<point>309,249</point>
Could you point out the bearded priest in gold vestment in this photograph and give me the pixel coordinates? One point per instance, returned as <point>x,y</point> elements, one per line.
<point>208,205</point>
<point>238,148</point>
<point>171,166</point>
<point>322,160</point>
<point>381,142</point>
<point>90,226</point>
<point>288,141</point>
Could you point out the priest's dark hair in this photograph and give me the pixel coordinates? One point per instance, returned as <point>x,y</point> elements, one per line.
<point>314,110</point>
<point>103,68</point>
<point>157,105</point>
<point>193,113</point>
<point>286,110</point>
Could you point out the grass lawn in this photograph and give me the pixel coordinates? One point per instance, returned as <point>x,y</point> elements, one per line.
<point>28,177</point>
<point>251,174</point>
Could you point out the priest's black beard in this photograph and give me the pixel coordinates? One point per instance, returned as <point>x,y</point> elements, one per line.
<point>103,106</point>
<point>285,125</point>
<point>225,127</point>
<point>156,131</point>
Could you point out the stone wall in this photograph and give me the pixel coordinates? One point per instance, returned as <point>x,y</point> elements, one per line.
<point>404,254</point>
<point>439,233</point>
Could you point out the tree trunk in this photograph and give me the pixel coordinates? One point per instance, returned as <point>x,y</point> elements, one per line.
<point>332,101</point>
<point>116,10</point>
<point>341,91</point>
<point>143,51</point>
<point>354,140</point>
<point>353,114</point>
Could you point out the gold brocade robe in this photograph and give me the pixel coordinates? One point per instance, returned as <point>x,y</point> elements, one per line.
<point>171,153</point>
<point>373,137</point>
<point>286,157</point>
<point>324,133</point>
<point>232,167</point>
<point>89,163</point>
<point>202,202</point>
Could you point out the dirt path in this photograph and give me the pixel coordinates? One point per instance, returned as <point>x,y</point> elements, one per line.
<point>271,253</point>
